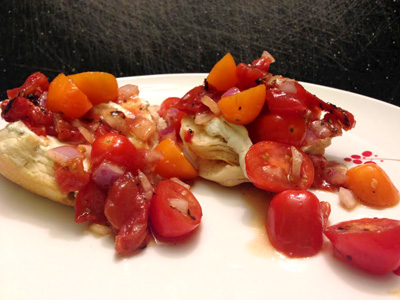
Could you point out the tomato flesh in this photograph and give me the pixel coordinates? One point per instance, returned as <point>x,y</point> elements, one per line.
<point>295,222</point>
<point>174,212</point>
<point>72,176</point>
<point>89,204</point>
<point>370,244</point>
<point>270,167</point>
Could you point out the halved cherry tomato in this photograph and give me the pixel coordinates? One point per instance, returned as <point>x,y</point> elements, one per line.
<point>372,185</point>
<point>286,128</point>
<point>371,244</point>
<point>37,83</point>
<point>115,148</point>
<point>248,76</point>
<point>191,102</point>
<point>174,162</point>
<point>271,166</point>
<point>244,107</point>
<point>127,209</point>
<point>223,75</point>
<point>295,223</point>
<point>65,97</point>
<point>284,102</point>
<point>99,87</point>
<point>124,200</point>
<point>89,204</point>
<point>174,211</point>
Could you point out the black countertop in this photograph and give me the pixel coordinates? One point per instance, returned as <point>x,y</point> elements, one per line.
<point>350,45</point>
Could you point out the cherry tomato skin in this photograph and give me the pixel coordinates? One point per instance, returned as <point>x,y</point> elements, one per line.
<point>282,102</point>
<point>269,167</point>
<point>288,129</point>
<point>117,149</point>
<point>372,185</point>
<point>65,97</point>
<point>124,200</point>
<point>295,223</point>
<point>223,75</point>
<point>370,244</point>
<point>172,221</point>
<point>248,76</point>
<point>99,87</point>
<point>37,83</point>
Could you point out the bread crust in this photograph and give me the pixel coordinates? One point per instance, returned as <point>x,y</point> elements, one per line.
<point>24,160</point>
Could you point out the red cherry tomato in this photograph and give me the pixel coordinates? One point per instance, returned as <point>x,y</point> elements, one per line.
<point>248,76</point>
<point>295,222</point>
<point>36,84</point>
<point>371,244</point>
<point>115,148</point>
<point>124,200</point>
<point>283,102</point>
<point>287,129</point>
<point>174,211</point>
<point>271,166</point>
<point>127,209</point>
<point>171,115</point>
<point>89,204</point>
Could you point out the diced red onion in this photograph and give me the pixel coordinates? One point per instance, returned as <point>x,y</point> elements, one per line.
<point>63,154</point>
<point>202,118</point>
<point>87,134</point>
<point>288,86</point>
<point>211,104</point>
<point>142,127</point>
<point>177,180</point>
<point>347,199</point>
<point>179,204</point>
<point>106,174</point>
<point>335,173</point>
<point>268,56</point>
<point>128,91</point>
<point>230,92</point>
<point>297,160</point>
<point>146,185</point>
<point>168,133</point>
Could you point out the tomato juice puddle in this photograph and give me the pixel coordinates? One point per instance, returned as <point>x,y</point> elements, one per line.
<point>257,202</point>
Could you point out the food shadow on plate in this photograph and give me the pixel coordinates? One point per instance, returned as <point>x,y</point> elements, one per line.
<point>21,205</point>
<point>177,249</point>
<point>361,280</point>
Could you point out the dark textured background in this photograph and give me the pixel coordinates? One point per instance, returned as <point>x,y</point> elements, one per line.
<point>352,45</point>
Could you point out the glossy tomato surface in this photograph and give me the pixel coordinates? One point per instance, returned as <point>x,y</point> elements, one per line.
<point>174,212</point>
<point>295,222</point>
<point>115,148</point>
<point>370,244</point>
<point>283,128</point>
<point>272,167</point>
<point>89,204</point>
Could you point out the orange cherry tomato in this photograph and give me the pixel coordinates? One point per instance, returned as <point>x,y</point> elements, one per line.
<point>372,185</point>
<point>99,87</point>
<point>223,75</point>
<point>244,107</point>
<point>174,163</point>
<point>65,97</point>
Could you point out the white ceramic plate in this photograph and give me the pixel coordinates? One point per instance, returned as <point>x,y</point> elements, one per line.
<point>45,255</point>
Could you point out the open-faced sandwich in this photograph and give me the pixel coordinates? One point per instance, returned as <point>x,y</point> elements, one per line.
<point>85,142</point>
